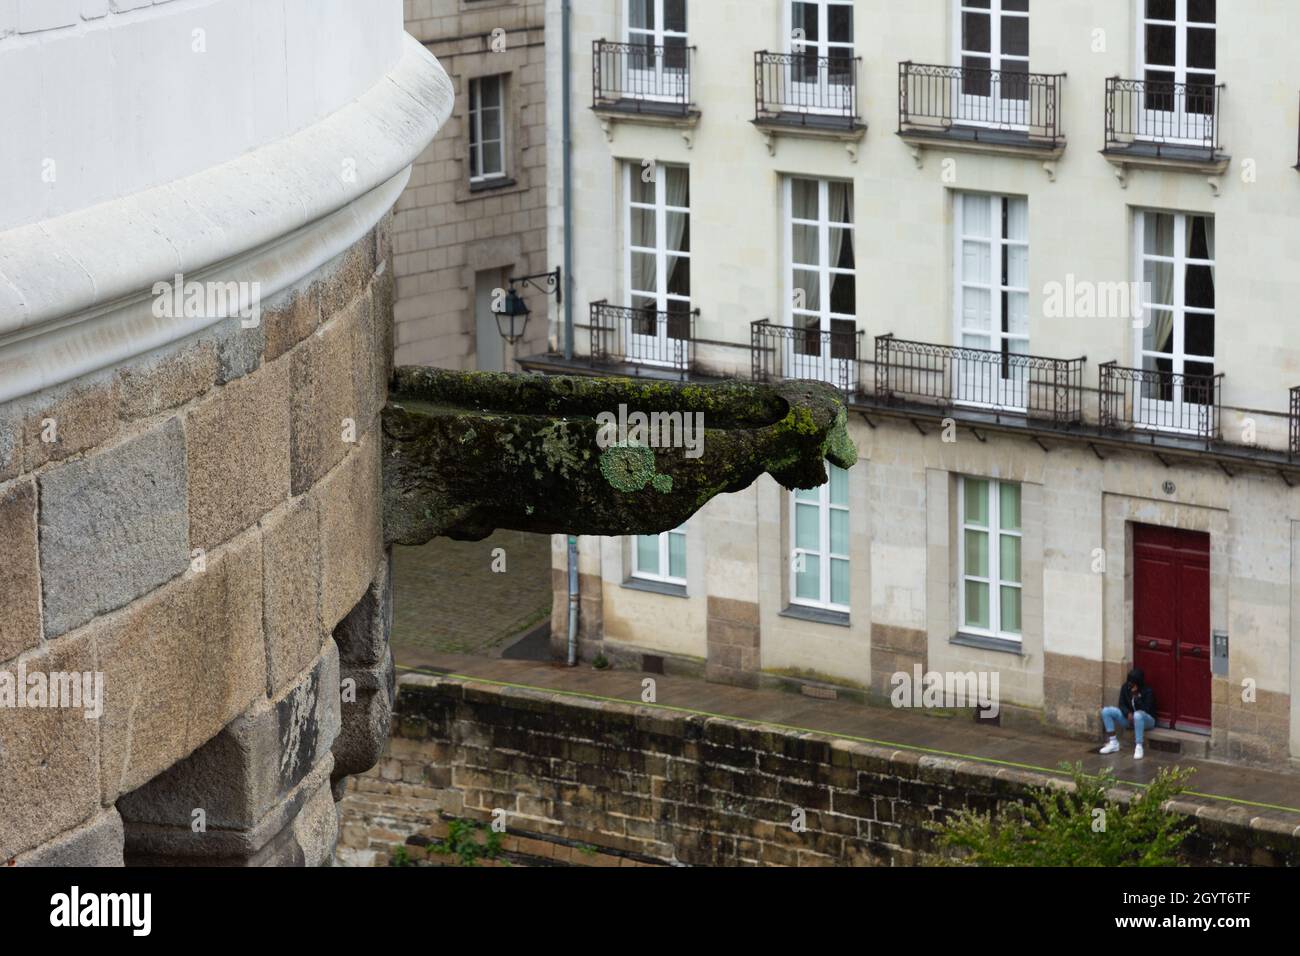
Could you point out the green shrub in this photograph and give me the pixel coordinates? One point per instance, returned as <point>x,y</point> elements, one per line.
<point>1079,827</point>
<point>462,842</point>
<point>399,857</point>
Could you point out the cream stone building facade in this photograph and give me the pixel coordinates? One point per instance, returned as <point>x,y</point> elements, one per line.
<point>474,213</point>
<point>1001,226</point>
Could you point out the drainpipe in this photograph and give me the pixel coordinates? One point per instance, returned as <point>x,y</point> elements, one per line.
<point>566,31</point>
<point>566,83</point>
<point>573,600</point>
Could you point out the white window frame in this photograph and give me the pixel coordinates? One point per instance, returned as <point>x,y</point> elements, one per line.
<point>1154,413</point>
<point>1011,393</point>
<point>652,350</point>
<point>660,32</point>
<point>822,96</point>
<point>823,46</point>
<point>663,575</point>
<point>842,373</point>
<point>994,110</point>
<point>1154,124</point>
<point>474,118</point>
<point>655,84</point>
<point>824,554</point>
<point>994,580</point>
<point>1180,23</point>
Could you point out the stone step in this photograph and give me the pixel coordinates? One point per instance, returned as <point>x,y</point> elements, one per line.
<point>1180,742</point>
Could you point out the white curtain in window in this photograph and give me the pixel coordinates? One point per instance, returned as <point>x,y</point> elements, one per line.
<point>1209,242</point>
<point>643,234</point>
<point>805,205</point>
<point>1160,241</point>
<point>838,211</point>
<point>678,194</point>
<point>643,271</point>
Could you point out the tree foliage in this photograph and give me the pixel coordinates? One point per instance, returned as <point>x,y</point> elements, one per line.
<point>1082,825</point>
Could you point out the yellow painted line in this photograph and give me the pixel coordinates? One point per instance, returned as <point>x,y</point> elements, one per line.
<point>827,733</point>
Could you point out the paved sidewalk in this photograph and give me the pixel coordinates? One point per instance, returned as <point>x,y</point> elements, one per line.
<point>1273,795</point>
<point>447,597</point>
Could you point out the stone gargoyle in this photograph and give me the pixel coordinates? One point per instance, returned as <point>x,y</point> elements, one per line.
<point>467,453</point>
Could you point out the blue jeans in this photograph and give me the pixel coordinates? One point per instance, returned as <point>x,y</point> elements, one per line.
<point>1143,721</point>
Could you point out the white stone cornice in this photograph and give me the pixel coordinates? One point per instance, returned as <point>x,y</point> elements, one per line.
<point>75,291</point>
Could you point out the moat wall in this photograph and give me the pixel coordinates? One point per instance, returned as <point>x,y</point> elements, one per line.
<point>643,784</point>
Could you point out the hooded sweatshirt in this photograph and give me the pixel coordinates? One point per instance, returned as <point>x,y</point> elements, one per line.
<point>1145,698</point>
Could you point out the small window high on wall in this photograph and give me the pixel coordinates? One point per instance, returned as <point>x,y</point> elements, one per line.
<point>487,138</point>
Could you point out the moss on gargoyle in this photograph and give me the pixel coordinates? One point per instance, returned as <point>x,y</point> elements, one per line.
<point>466,453</point>
<point>627,468</point>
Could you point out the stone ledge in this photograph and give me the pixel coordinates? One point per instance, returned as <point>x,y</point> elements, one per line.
<point>277,839</point>
<point>72,266</point>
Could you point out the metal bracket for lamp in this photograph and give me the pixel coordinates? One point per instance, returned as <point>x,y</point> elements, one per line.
<point>514,308</point>
<point>552,284</point>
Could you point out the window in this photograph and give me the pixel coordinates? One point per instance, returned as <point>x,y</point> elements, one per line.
<point>821,271</point>
<point>658,260</point>
<point>1178,41</point>
<point>1177,59</point>
<point>992,285</point>
<point>660,557</point>
<point>994,55</point>
<point>822,28</point>
<point>657,59</point>
<point>487,158</point>
<point>821,36</point>
<point>990,557</point>
<point>1177,337</point>
<point>819,566</point>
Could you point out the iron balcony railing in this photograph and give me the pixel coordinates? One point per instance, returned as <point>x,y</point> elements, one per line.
<point>622,335</point>
<point>1167,119</point>
<point>1294,446</point>
<point>806,89</point>
<point>781,353</point>
<point>642,77</point>
<point>983,104</point>
<point>1030,385</point>
<point>1159,401</point>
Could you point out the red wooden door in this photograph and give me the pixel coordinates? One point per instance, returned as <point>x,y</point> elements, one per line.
<point>1171,622</point>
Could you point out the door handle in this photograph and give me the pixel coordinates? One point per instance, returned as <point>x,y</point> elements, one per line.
<point>1152,644</point>
<point>1195,652</point>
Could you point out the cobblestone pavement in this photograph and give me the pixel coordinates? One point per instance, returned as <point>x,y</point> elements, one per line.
<point>447,598</point>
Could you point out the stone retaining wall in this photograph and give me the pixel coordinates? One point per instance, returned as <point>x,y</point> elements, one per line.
<point>648,784</point>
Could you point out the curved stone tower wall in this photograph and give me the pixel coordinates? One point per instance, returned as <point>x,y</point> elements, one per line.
<point>189,503</point>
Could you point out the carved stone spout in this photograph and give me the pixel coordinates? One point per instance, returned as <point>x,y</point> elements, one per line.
<point>467,453</point>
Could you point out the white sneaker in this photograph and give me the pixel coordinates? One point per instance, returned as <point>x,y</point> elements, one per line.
<point>1137,752</point>
<point>1112,747</point>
